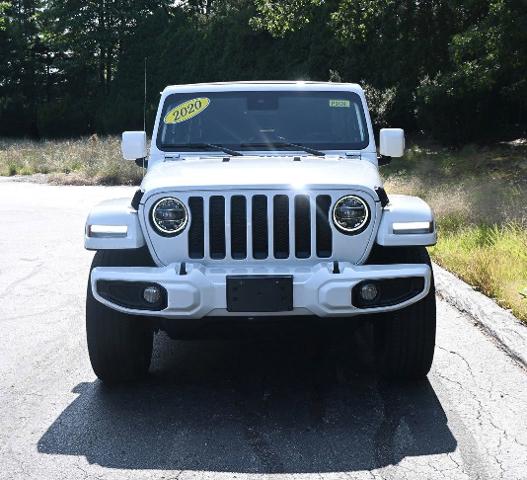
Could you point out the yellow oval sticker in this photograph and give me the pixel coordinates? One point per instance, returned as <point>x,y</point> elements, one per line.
<point>186,110</point>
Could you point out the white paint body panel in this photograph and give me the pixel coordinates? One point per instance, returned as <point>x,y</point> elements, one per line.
<point>257,172</point>
<point>317,289</point>
<point>404,208</point>
<point>114,212</point>
<point>133,145</point>
<point>166,250</point>
<point>391,142</point>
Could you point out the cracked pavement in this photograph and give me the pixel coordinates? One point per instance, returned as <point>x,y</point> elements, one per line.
<point>301,407</point>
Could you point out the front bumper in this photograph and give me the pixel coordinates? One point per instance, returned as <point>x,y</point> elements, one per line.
<point>198,291</point>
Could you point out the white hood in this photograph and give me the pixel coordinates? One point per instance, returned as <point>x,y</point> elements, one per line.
<point>258,172</point>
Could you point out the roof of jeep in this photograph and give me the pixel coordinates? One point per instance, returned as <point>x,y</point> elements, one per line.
<point>261,85</point>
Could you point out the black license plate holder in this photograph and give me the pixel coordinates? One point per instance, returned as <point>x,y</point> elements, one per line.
<point>259,293</point>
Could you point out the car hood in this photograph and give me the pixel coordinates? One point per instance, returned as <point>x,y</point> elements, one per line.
<point>255,172</point>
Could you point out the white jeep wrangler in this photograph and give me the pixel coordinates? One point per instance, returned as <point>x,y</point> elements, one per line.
<point>262,200</point>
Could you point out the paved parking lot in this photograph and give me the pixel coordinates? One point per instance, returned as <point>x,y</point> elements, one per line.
<point>305,406</point>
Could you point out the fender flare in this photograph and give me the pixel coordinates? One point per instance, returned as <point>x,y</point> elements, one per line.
<point>407,210</point>
<point>124,232</point>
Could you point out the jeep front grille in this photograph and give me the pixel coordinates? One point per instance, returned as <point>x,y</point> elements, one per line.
<point>260,226</point>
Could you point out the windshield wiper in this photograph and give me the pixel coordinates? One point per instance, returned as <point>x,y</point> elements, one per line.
<point>283,144</point>
<point>210,146</point>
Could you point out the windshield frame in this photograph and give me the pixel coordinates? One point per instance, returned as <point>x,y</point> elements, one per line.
<point>259,146</point>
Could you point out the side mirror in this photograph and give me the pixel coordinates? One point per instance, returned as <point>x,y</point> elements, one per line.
<point>391,142</point>
<point>133,145</point>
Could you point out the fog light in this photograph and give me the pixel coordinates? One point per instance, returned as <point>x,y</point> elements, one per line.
<point>369,292</point>
<point>152,294</point>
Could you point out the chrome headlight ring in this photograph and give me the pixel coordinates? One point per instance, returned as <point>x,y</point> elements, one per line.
<point>351,214</point>
<point>169,216</point>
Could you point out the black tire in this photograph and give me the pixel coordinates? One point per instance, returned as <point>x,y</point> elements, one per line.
<point>119,345</point>
<point>405,339</point>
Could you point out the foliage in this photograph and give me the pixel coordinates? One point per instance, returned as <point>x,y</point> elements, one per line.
<point>491,257</point>
<point>456,69</point>
<point>86,161</point>
<point>485,87</point>
<point>280,17</point>
<point>477,194</point>
<point>478,197</point>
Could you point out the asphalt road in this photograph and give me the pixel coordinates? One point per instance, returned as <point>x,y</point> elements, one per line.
<point>308,407</point>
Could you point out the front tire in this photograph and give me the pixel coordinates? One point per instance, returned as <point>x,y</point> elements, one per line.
<point>405,339</point>
<point>119,345</point>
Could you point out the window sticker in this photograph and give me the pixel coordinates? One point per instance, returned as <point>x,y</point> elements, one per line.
<point>186,110</point>
<point>339,103</point>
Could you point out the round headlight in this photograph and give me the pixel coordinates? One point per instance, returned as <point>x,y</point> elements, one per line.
<point>351,214</point>
<point>169,216</point>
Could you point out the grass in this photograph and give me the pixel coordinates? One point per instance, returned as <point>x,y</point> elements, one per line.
<point>478,196</point>
<point>494,258</point>
<point>86,161</point>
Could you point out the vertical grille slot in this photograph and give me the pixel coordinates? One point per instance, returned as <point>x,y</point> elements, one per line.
<point>259,227</point>
<point>217,227</point>
<point>302,227</point>
<point>238,227</point>
<point>324,235</point>
<point>281,226</point>
<point>196,234</point>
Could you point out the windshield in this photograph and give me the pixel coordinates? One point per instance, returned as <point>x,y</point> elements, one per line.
<point>263,120</point>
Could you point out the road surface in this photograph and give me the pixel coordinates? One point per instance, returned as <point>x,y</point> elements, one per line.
<point>256,408</point>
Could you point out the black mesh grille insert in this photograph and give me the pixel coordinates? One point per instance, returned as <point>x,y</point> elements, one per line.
<point>259,227</point>
<point>281,226</point>
<point>302,227</point>
<point>324,236</point>
<point>217,227</point>
<point>196,235</point>
<point>238,227</point>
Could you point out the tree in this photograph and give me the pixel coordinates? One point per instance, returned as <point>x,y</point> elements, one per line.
<point>454,68</point>
<point>483,93</point>
<point>88,39</point>
<point>455,65</point>
<point>23,57</point>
